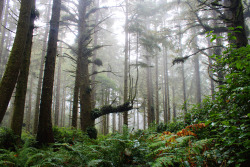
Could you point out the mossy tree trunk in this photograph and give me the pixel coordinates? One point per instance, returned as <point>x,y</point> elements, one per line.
<point>85,90</point>
<point>45,133</point>
<point>11,73</point>
<point>21,88</point>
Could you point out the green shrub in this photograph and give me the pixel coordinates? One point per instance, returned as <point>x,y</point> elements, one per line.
<point>7,138</point>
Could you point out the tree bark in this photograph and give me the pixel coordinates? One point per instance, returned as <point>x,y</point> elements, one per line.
<point>93,84</point>
<point>40,77</point>
<point>157,89</point>
<point>236,18</point>
<point>21,88</point>
<point>125,98</point>
<point>28,114</point>
<point>58,96</point>
<point>45,133</point>
<point>1,9</point>
<point>183,75</point>
<point>85,90</point>
<point>11,73</point>
<point>3,35</point>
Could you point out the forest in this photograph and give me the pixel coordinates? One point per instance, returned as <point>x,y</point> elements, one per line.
<point>119,83</point>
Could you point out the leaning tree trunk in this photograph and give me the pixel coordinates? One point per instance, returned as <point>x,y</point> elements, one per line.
<point>39,85</point>
<point>10,76</point>
<point>21,88</point>
<point>45,133</point>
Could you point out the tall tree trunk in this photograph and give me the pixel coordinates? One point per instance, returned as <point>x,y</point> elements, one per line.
<point>40,77</point>
<point>156,89</point>
<point>70,111</point>
<point>196,70</point>
<point>114,122</point>
<point>183,75</point>
<point>3,36</point>
<point>63,108</point>
<point>45,133</point>
<point>236,19</point>
<point>210,72</point>
<point>144,114</point>
<point>151,114</point>
<point>22,83</point>
<point>197,79</point>
<point>93,84</point>
<point>1,9</point>
<point>76,95</point>
<point>28,114</point>
<point>10,76</point>
<point>125,98</point>
<point>85,91</point>
<point>58,96</point>
<point>166,86</point>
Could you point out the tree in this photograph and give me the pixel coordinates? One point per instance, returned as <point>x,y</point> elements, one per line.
<point>44,133</point>
<point>11,73</point>
<point>125,93</point>
<point>1,9</point>
<point>40,77</point>
<point>19,103</point>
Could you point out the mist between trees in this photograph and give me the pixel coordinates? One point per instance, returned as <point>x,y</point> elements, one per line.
<point>103,64</point>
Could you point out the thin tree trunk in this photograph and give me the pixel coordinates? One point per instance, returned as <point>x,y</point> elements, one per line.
<point>40,77</point>
<point>93,86</point>
<point>197,70</point>
<point>58,96</point>
<point>70,111</point>
<point>125,98</point>
<point>144,114</point>
<point>1,9</point>
<point>22,83</point>
<point>63,109</point>
<point>151,114</point>
<point>211,73</point>
<point>45,133</point>
<point>166,86</point>
<point>10,76</point>
<point>156,89</point>
<point>28,114</point>
<point>183,75</point>
<point>3,35</point>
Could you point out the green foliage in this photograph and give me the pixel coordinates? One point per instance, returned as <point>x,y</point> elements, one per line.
<point>228,116</point>
<point>67,135</point>
<point>7,138</point>
<point>92,132</point>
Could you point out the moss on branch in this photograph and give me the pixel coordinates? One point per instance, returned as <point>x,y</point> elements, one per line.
<point>96,113</point>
